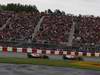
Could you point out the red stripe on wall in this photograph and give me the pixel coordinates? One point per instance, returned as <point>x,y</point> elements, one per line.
<point>92,54</point>
<point>14,49</point>
<point>84,54</point>
<point>34,50</point>
<point>43,51</point>
<point>5,49</point>
<point>61,53</point>
<point>52,52</point>
<point>24,50</point>
<point>68,52</point>
<point>76,53</point>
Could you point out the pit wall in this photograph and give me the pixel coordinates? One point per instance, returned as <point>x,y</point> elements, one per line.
<point>48,52</point>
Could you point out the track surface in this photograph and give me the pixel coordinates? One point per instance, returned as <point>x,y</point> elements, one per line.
<point>13,69</point>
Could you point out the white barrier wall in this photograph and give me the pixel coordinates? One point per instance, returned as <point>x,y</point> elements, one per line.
<point>49,52</point>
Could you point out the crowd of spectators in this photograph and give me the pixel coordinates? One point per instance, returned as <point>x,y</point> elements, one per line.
<point>4,17</point>
<point>20,26</point>
<point>55,28</point>
<point>87,30</point>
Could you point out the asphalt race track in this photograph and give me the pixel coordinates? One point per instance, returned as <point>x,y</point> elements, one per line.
<point>13,69</point>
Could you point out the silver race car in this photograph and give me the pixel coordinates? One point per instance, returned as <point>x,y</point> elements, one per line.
<point>72,57</point>
<point>35,55</point>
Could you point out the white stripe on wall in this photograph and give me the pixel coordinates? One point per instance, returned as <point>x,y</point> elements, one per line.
<point>29,50</point>
<point>39,51</point>
<point>56,52</point>
<point>72,53</point>
<point>19,49</point>
<point>97,54</point>
<point>88,54</point>
<point>48,52</point>
<point>80,53</point>
<point>1,48</point>
<point>64,52</point>
<point>9,49</point>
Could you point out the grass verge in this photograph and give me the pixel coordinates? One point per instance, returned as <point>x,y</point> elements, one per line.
<point>56,63</point>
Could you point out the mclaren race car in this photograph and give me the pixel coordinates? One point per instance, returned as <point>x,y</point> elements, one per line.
<point>72,57</point>
<point>35,55</point>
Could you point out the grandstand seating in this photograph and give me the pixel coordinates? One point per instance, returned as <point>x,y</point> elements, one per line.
<point>88,31</point>
<point>20,26</point>
<point>4,17</point>
<point>54,28</point>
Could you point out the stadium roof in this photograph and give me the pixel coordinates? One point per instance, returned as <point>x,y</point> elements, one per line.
<point>84,7</point>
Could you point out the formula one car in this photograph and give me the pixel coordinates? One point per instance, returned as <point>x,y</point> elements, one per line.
<point>35,55</point>
<point>72,57</point>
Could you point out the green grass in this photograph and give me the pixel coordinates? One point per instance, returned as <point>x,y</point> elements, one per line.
<point>57,63</point>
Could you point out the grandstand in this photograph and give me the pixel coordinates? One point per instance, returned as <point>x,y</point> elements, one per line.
<point>24,28</point>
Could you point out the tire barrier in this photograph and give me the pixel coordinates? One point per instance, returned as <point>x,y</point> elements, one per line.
<point>49,52</point>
